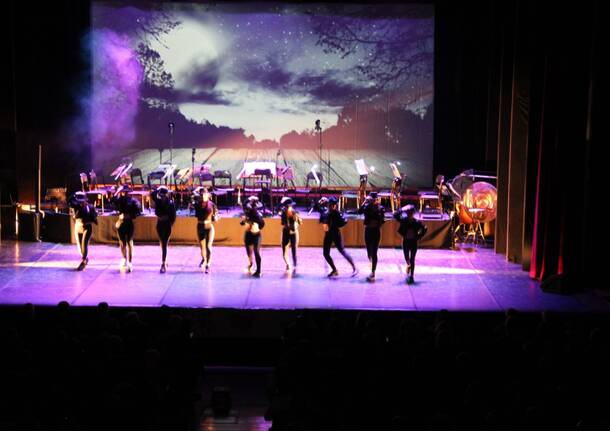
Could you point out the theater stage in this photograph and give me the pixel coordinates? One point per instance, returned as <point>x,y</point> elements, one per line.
<point>229,232</point>
<point>43,273</point>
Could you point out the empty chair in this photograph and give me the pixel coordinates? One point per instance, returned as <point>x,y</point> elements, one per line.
<point>136,177</point>
<point>206,178</point>
<point>311,177</point>
<point>223,175</point>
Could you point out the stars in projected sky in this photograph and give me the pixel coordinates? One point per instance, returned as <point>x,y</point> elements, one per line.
<point>265,71</point>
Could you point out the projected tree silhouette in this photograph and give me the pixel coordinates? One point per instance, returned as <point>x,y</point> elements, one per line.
<point>154,67</point>
<point>145,26</point>
<point>389,55</point>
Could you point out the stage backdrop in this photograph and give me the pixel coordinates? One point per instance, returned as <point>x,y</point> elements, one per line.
<point>248,82</point>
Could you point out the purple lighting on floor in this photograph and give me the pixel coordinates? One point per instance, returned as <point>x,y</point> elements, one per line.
<point>117,75</point>
<point>45,273</point>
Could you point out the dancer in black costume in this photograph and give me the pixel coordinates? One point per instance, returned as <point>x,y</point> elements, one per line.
<point>332,221</point>
<point>85,216</point>
<point>207,214</point>
<point>411,230</point>
<point>374,217</point>
<point>291,222</point>
<point>165,210</point>
<point>129,209</point>
<point>253,220</point>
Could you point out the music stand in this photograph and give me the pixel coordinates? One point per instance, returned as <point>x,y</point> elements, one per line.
<point>162,173</point>
<point>285,174</point>
<point>396,187</point>
<point>183,175</point>
<point>122,171</point>
<point>315,176</point>
<point>92,180</point>
<point>223,175</point>
<point>264,181</point>
<point>84,182</point>
<point>363,172</point>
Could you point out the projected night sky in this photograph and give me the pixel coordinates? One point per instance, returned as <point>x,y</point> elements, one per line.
<point>236,74</point>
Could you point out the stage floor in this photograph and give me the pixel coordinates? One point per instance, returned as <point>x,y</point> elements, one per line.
<point>43,273</point>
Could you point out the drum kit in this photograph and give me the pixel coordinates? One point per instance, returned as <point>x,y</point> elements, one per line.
<point>475,204</point>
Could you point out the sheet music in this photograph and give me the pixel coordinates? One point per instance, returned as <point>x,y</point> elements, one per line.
<point>169,170</point>
<point>395,170</point>
<point>117,172</point>
<point>205,168</point>
<point>286,173</point>
<point>121,171</point>
<point>184,174</point>
<point>250,167</point>
<point>315,175</point>
<point>361,167</point>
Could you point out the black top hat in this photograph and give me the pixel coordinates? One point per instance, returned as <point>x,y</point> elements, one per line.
<point>200,191</point>
<point>333,200</point>
<point>252,204</point>
<point>80,197</point>
<point>373,195</point>
<point>286,201</point>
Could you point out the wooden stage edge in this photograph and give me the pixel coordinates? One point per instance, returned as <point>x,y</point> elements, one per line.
<point>230,233</point>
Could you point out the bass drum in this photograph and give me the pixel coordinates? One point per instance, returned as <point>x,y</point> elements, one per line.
<point>462,213</point>
<point>478,203</point>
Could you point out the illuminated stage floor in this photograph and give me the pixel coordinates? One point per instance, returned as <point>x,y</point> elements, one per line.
<point>43,273</point>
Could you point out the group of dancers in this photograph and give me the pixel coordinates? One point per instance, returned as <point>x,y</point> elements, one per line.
<point>206,212</point>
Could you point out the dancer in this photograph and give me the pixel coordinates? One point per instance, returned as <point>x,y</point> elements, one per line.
<point>129,209</point>
<point>411,230</point>
<point>332,221</point>
<point>165,210</point>
<point>253,220</point>
<point>84,216</point>
<point>374,217</point>
<point>291,222</point>
<point>207,214</point>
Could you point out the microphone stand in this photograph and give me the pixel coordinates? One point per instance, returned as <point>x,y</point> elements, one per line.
<point>320,155</point>
<point>171,152</point>
<point>171,143</point>
<point>319,130</point>
<point>193,166</point>
<point>328,165</point>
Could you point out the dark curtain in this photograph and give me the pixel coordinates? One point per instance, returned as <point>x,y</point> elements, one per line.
<point>532,66</point>
<point>563,169</point>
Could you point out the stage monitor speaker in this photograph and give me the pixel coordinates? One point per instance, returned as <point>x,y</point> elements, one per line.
<point>29,226</point>
<point>558,283</point>
<point>221,401</point>
<point>7,222</point>
<point>56,227</point>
